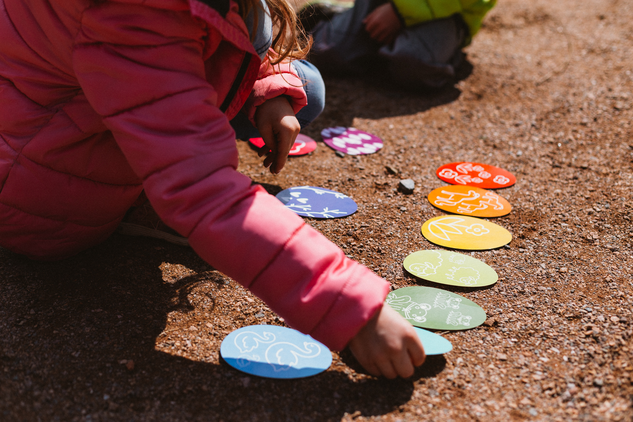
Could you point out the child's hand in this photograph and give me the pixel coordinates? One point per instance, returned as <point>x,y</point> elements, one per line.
<point>279,128</point>
<point>383,24</point>
<point>388,345</point>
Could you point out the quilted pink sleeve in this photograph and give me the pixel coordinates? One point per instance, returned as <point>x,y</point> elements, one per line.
<point>165,119</point>
<point>274,81</point>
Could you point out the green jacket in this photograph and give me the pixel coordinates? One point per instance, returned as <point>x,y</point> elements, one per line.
<point>418,11</point>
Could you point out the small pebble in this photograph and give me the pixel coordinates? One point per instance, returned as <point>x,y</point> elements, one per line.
<point>391,170</point>
<point>490,321</point>
<point>340,154</point>
<point>406,186</point>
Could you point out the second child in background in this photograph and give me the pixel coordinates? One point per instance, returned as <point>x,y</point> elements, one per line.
<point>416,44</point>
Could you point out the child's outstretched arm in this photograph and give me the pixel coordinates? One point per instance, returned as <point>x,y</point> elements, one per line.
<point>279,128</point>
<point>388,345</point>
<point>178,141</point>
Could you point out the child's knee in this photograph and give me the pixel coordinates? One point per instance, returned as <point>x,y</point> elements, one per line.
<point>315,91</point>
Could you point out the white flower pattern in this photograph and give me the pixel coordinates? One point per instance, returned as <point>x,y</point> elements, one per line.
<point>477,230</point>
<point>473,174</point>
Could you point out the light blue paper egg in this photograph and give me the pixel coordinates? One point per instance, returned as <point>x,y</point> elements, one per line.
<point>433,344</point>
<point>271,351</point>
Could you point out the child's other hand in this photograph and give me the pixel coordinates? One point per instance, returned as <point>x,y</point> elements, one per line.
<point>279,128</point>
<point>388,345</point>
<point>382,24</point>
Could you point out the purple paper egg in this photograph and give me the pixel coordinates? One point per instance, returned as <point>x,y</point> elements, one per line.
<point>351,141</point>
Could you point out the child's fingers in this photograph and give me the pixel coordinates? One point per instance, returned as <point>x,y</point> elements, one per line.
<point>270,158</point>
<point>388,345</point>
<point>403,364</point>
<point>363,356</point>
<point>263,151</point>
<point>286,133</point>
<point>378,34</point>
<point>400,366</point>
<point>387,369</point>
<point>270,144</point>
<point>383,24</point>
<point>416,353</point>
<point>279,128</point>
<point>285,139</point>
<point>413,347</point>
<point>371,368</point>
<point>266,132</point>
<point>277,161</point>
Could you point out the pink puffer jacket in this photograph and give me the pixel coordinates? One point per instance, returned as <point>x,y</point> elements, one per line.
<point>98,102</point>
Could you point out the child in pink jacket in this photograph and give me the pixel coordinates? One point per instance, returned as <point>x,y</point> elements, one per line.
<point>103,100</point>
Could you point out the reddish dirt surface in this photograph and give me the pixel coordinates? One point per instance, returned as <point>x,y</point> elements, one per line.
<point>130,330</point>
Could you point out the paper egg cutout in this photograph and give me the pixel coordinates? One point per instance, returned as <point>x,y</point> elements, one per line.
<point>351,141</point>
<point>436,309</point>
<point>275,352</point>
<point>308,201</point>
<point>469,200</point>
<point>476,174</point>
<point>451,268</point>
<point>433,344</point>
<point>467,233</point>
<point>303,145</point>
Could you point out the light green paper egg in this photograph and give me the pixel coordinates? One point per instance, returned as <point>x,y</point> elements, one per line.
<point>451,268</point>
<point>436,309</point>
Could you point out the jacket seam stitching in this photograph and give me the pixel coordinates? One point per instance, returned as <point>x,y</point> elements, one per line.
<point>148,103</point>
<point>19,152</point>
<point>79,177</point>
<point>55,219</point>
<point>332,305</point>
<point>274,257</point>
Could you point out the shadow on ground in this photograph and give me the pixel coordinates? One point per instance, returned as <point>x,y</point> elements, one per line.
<point>372,97</point>
<point>68,328</point>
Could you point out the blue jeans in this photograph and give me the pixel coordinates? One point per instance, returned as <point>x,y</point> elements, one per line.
<point>314,89</point>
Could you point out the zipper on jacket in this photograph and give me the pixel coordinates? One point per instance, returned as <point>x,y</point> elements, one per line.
<point>236,83</point>
<point>221,6</point>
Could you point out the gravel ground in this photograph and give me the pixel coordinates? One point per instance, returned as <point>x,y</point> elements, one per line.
<point>130,330</point>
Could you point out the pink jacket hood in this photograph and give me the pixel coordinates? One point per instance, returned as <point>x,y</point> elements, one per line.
<point>98,102</point>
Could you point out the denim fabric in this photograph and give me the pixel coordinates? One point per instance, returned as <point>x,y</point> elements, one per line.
<point>314,89</point>
<point>264,36</point>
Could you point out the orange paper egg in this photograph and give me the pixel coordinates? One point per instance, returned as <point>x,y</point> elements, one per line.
<point>468,200</point>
